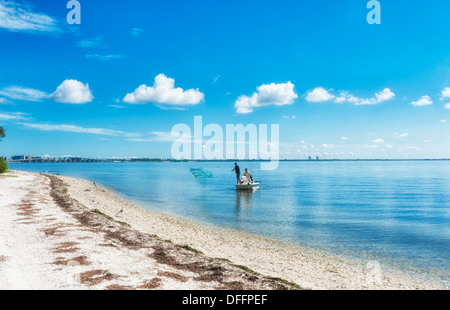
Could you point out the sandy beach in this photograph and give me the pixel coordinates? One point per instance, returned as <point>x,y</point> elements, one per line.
<point>65,233</point>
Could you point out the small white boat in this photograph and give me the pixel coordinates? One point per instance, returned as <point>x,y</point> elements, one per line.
<point>247,185</point>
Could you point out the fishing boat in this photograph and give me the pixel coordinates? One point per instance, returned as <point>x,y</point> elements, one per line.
<point>247,185</point>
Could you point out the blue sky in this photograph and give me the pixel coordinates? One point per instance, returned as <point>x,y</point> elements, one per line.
<point>115,85</point>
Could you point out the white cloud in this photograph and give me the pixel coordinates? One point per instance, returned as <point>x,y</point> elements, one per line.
<point>72,92</point>
<point>160,136</point>
<point>78,129</point>
<point>447,105</point>
<point>117,106</point>
<point>423,101</point>
<point>136,31</point>
<point>167,136</point>
<point>379,97</point>
<point>365,101</point>
<point>306,145</point>
<point>402,135</point>
<point>443,121</point>
<point>22,93</point>
<point>12,116</point>
<point>385,95</point>
<point>164,92</point>
<point>378,141</point>
<point>267,94</point>
<point>328,146</point>
<point>5,101</point>
<point>21,18</point>
<point>319,94</point>
<point>92,43</point>
<point>105,57</point>
<point>446,93</point>
<point>139,140</point>
<point>345,97</point>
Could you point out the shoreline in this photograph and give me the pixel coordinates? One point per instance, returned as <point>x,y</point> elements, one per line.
<point>287,261</point>
<point>190,227</point>
<point>268,259</point>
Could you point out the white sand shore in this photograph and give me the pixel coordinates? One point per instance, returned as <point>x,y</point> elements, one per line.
<point>47,244</point>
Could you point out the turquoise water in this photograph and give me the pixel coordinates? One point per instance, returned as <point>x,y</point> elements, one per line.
<point>396,212</point>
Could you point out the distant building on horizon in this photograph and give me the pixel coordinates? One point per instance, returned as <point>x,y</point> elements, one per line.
<point>21,157</point>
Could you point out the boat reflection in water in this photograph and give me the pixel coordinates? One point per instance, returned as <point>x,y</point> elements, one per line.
<point>243,199</point>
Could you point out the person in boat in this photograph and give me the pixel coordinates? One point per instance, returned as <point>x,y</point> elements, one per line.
<point>248,175</point>
<point>238,173</point>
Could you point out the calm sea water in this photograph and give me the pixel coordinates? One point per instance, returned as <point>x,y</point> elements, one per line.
<point>396,212</point>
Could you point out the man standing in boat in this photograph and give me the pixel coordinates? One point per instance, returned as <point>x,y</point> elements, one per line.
<point>238,173</point>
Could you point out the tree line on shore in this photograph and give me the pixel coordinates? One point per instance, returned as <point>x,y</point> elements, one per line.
<point>3,164</point>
